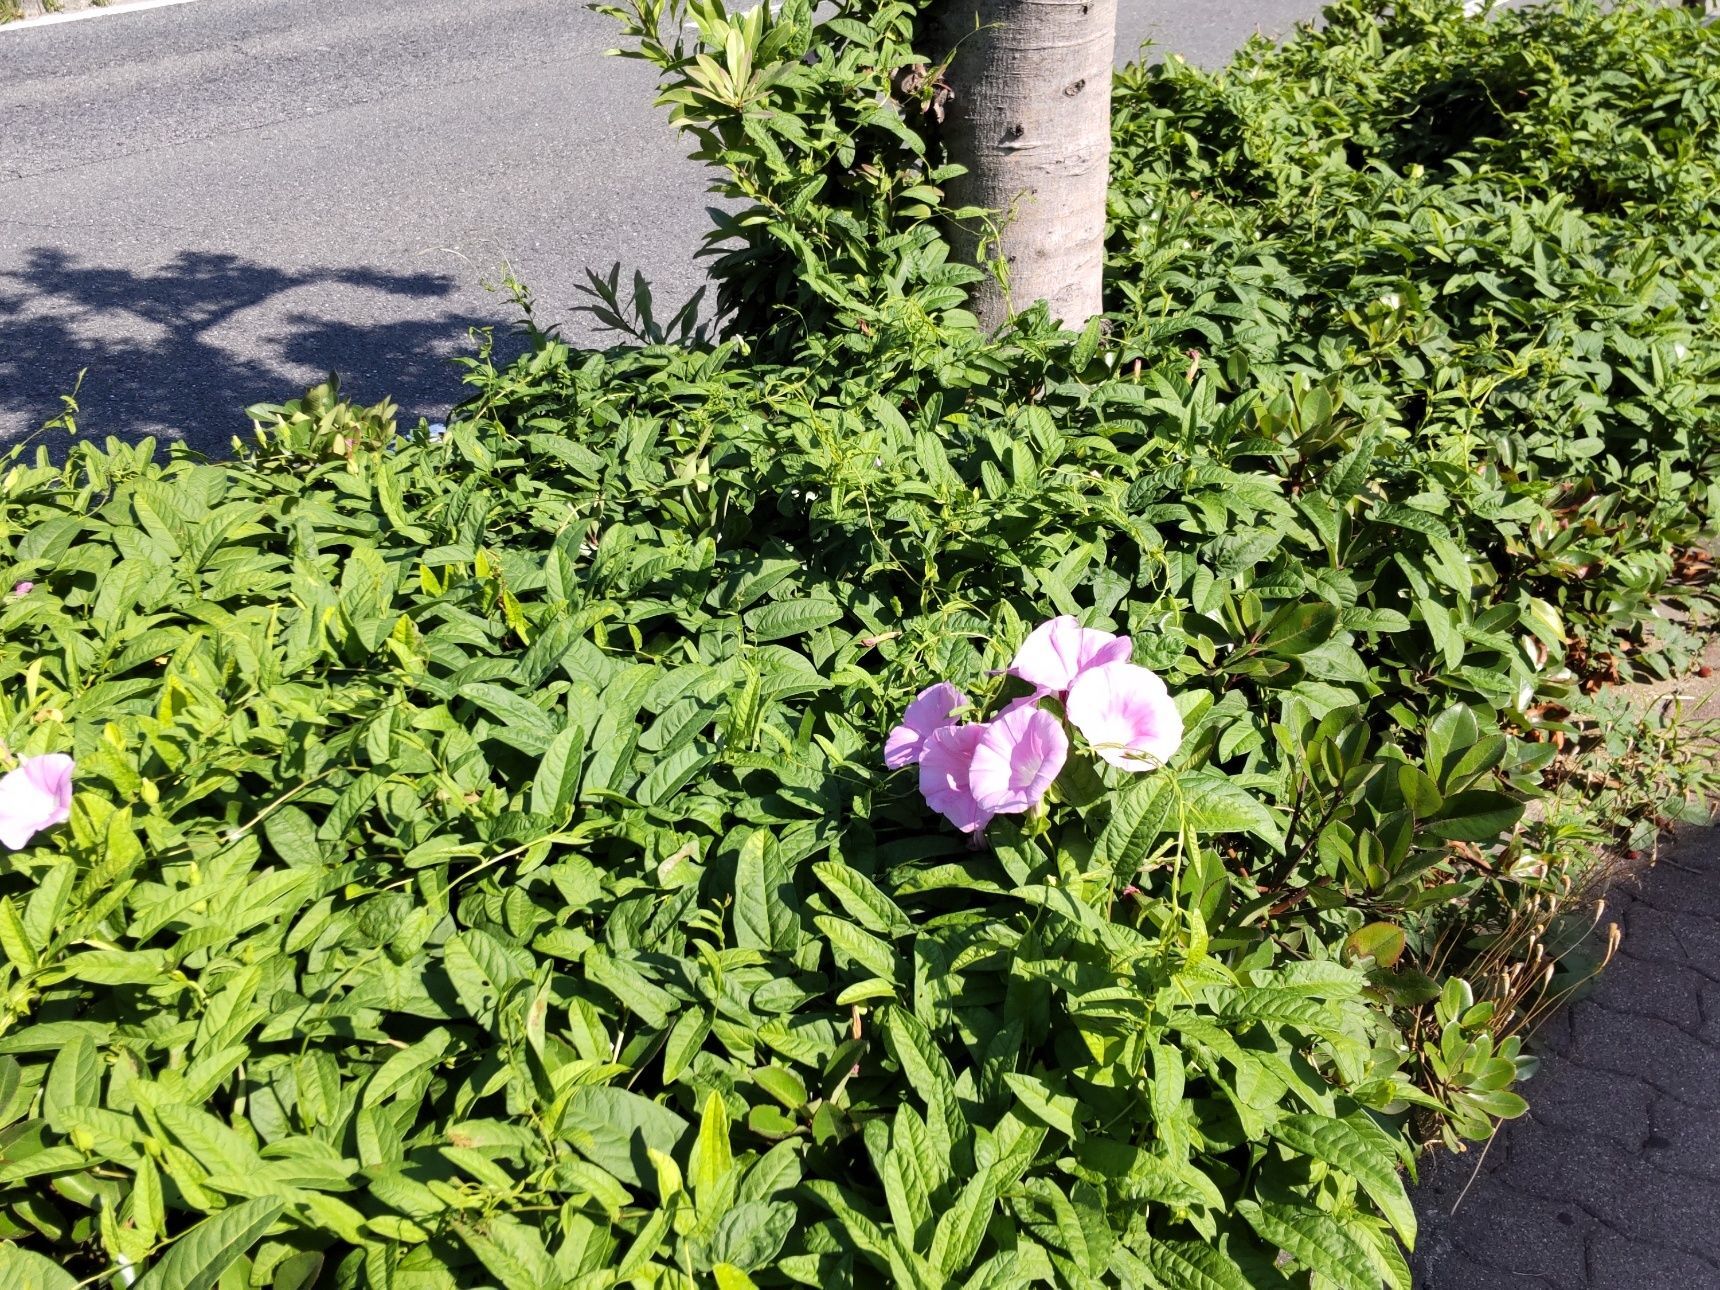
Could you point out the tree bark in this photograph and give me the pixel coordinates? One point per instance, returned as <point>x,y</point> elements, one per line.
<point>1030,118</point>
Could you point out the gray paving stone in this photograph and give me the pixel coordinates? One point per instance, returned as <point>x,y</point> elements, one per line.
<point>1654,988</point>
<point>1451,1268</point>
<point>1518,1239</point>
<point>1635,1045</point>
<point>1624,1264</point>
<point>1572,1099</point>
<point>1612,1181</point>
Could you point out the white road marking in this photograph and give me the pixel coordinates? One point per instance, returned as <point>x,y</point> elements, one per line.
<point>103,11</point>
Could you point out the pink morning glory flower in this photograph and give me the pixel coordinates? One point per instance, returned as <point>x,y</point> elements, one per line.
<point>1058,651</point>
<point>928,713</point>
<point>1016,760</point>
<point>946,758</point>
<point>1126,713</point>
<point>34,797</point>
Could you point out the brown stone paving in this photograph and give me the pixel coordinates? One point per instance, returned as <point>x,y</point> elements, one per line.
<point>1612,1180</point>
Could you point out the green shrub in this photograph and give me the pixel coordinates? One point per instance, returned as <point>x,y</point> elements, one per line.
<point>482,870</point>
<point>1504,233</point>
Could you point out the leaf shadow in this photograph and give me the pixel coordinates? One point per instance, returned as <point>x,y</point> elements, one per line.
<point>169,351</point>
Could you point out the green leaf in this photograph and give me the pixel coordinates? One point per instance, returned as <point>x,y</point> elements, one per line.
<point>1422,796</point>
<point>196,1260</point>
<point>399,1069</point>
<point>74,1080</point>
<point>146,1205</point>
<point>1214,804</point>
<point>1296,629</point>
<point>1499,1103</point>
<point>13,939</point>
<point>1477,815</point>
<point>11,1078</point>
<point>782,619</point>
<point>512,1252</point>
<point>1138,1174</point>
<point>1189,1265</point>
<point>483,968</point>
<point>923,1063</point>
<point>523,724</point>
<point>750,1236</point>
<point>1086,348</point>
<point>1055,1109</point>
<point>752,899</point>
<point>782,1084</point>
<point>1448,736</point>
<point>294,837</point>
<point>1315,1240</point>
<point>713,1160</point>
<point>855,946</point>
<point>685,1039</point>
<point>1358,1147</point>
<point>960,1230</point>
<point>22,1269</point>
<point>1485,754</point>
<point>1139,814</point>
<point>863,899</point>
<point>614,1128</point>
<point>669,775</point>
<point>1382,942</point>
<point>652,1004</point>
<point>556,783</point>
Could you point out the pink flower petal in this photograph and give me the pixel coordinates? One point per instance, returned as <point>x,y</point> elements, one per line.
<point>34,797</point>
<point>1126,714</point>
<point>23,588</point>
<point>1017,759</point>
<point>1058,651</point>
<point>945,761</point>
<point>927,713</point>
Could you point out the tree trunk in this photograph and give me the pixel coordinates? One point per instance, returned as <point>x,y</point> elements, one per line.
<point>1030,118</point>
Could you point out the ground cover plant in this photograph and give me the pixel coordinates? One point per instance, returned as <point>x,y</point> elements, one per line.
<point>491,857</point>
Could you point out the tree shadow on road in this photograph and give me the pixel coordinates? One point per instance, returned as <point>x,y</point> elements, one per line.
<point>168,352</point>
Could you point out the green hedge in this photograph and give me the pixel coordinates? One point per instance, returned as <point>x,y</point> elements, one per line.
<point>482,868</point>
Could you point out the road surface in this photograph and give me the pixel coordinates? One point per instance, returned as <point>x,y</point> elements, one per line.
<point>211,204</point>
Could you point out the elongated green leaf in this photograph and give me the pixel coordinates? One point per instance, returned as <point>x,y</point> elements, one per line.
<point>197,1259</point>
<point>512,1252</point>
<point>1477,815</point>
<point>22,1269</point>
<point>1214,804</point>
<point>74,1080</point>
<point>394,1073</point>
<point>785,618</point>
<point>855,946</point>
<point>863,899</point>
<point>1360,1148</point>
<point>1296,629</point>
<point>1139,814</point>
<point>556,783</point>
<point>713,1160</point>
<point>1188,1265</point>
<point>685,1038</point>
<point>752,900</point>
<point>1313,1239</point>
<point>961,1229</point>
<point>1057,1110</point>
<point>614,1128</point>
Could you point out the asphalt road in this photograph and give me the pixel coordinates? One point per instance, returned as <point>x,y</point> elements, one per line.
<point>212,204</point>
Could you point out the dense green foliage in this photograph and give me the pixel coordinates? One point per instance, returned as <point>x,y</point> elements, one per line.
<point>483,871</point>
<point>1502,237</point>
